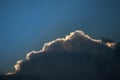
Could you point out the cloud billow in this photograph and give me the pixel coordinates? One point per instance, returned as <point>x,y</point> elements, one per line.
<point>74,57</point>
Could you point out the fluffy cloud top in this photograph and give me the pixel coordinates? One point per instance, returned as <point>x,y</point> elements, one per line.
<point>77,56</point>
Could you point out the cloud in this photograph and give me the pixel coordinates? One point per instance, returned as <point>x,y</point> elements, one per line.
<point>76,56</point>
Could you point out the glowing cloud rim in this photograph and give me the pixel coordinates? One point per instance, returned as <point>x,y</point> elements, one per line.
<point>64,43</point>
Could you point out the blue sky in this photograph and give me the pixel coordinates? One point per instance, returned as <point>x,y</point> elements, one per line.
<point>25,25</point>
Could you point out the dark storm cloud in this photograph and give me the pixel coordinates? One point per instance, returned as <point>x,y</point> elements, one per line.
<point>77,56</point>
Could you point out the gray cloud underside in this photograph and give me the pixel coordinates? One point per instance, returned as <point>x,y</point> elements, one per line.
<point>76,56</point>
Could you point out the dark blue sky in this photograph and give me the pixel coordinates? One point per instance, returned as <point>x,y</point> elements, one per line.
<point>25,25</point>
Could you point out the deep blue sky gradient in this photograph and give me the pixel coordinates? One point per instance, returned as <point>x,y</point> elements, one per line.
<point>25,25</point>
